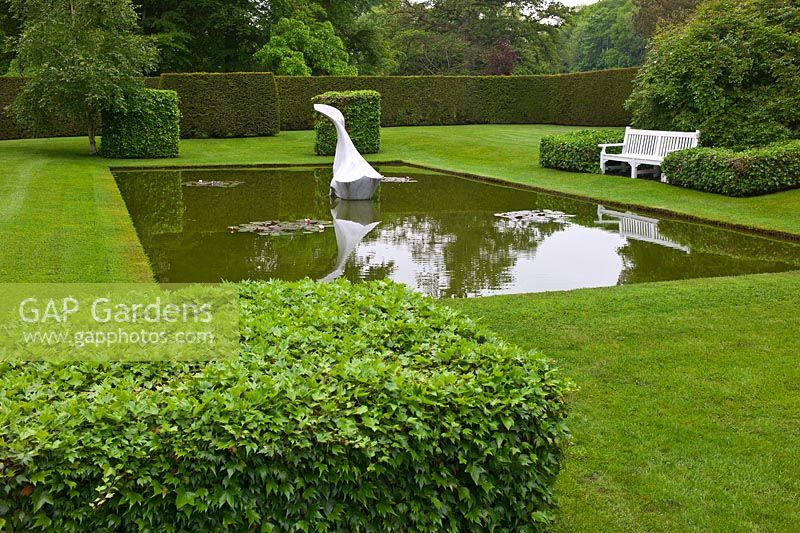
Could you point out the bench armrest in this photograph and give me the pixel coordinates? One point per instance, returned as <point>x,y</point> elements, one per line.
<point>613,145</point>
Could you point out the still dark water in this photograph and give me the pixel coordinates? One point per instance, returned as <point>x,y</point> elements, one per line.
<point>439,235</point>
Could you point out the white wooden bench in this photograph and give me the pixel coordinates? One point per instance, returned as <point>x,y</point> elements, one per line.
<point>647,147</point>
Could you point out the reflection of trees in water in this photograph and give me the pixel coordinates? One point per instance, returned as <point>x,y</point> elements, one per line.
<point>461,254</point>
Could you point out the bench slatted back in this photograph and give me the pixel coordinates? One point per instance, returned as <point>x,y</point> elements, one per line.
<point>657,144</point>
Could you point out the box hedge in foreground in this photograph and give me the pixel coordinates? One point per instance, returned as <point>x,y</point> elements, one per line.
<point>149,127</point>
<point>351,407</point>
<point>578,151</point>
<point>362,114</point>
<point>747,173</point>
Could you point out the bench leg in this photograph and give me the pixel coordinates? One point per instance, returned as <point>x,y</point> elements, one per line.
<point>602,167</point>
<point>634,170</point>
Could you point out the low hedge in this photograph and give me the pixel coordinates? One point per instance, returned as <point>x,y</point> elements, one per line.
<point>577,151</point>
<point>747,173</point>
<point>150,127</point>
<point>351,407</point>
<point>362,114</point>
<point>238,104</point>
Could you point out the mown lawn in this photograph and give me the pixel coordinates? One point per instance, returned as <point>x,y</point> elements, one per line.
<point>62,218</point>
<point>687,415</point>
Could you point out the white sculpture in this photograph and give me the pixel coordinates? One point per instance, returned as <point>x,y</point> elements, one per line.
<point>351,222</point>
<point>353,177</point>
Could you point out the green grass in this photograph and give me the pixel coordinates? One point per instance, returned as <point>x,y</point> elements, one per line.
<point>65,221</point>
<point>687,415</point>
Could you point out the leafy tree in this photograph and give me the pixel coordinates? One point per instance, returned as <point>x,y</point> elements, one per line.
<point>464,36</point>
<point>652,13</point>
<point>733,72</point>
<point>9,31</point>
<point>210,35</point>
<point>602,36</point>
<point>369,50</point>
<point>82,56</point>
<point>305,46</point>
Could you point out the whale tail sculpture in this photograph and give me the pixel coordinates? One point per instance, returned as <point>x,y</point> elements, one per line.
<point>353,177</point>
<point>352,221</point>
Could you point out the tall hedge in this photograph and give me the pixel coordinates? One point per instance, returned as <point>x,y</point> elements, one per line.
<point>234,105</point>
<point>588,98</point>
<point>362,115</point>
<point>351,407</point>
<point>226,105</point>
<point>10,87</point>
<point>150,127</point>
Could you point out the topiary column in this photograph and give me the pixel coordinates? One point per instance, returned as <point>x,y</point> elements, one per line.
<point>149,127</point>
<point>362,114</point>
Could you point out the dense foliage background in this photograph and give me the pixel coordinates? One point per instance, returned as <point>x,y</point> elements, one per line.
<point>732,72</point>
<point>390,37</point>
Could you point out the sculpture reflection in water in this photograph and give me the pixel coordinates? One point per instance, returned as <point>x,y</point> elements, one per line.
<point>352,221</point>
<point>638,228</point>
<point>353,177</point>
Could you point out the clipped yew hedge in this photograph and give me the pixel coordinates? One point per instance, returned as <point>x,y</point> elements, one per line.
<point>736,173</point>
<point>238,104</point>
<point>351,407</point>
<point>149,127</point>
<point>588,98</point>
<point>577,151</point>
<point>362,115</point>
<point>247,104</point>
<point>10,87</point>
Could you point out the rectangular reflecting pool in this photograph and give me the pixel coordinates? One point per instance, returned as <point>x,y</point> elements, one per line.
<point>437,233</point>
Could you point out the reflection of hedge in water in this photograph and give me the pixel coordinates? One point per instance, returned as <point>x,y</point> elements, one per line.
<point>197,257</point>
<point>730,243</point>
<point>444,193</point>
<point>714,252</point>
<point>299,193</point>
<point>277,195</point>
<point>154,200</point>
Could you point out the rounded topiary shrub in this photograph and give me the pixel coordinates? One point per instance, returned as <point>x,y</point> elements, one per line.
<point>362,114</point>
<point>351,407</point>
<point>149,126</point>
<point>576,151</point>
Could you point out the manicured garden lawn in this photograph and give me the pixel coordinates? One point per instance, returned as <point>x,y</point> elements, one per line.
<point>688,409</point>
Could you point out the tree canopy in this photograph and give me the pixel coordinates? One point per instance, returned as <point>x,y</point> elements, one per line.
<point>602,36</point>
<point>82,56</point>
<point>650,14</point>
<point>733,72</point>
<point>304,46</point>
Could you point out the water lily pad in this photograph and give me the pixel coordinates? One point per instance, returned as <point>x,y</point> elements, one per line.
<point>393,179</point>
<point>536,216</point>
<point>282,227</point>
<point>214,184</point>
